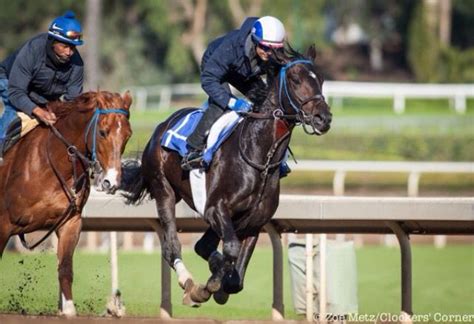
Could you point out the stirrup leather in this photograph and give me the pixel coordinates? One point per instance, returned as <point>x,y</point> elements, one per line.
<point>193,160</point>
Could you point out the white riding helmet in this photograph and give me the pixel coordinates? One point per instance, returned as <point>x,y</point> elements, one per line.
<point>269,31</point>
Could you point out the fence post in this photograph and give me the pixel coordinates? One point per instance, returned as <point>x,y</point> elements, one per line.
<point>413,184</point>
<point>399,104</point>
<point>278,308</point>
<point>338,182</point>
<point>309,278</point>
<point>165,98</point>
<point>460,104</point>
<point>142,97</point>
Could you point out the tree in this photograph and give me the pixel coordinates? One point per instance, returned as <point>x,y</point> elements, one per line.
<point>424,51</point>
<point>93,29</point>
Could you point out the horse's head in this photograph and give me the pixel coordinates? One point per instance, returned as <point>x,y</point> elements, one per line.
<point>106,136</point>
<point>300,91</point>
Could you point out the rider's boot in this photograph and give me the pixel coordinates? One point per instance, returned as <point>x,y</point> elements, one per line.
<point>2,145</point>
<point>196,141</point>
<point>284,169</point>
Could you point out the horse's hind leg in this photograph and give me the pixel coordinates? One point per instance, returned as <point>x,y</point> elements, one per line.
<point>206,248</point>
<point>171,247</point>
<point>68,236</point>
<point>207,244</point>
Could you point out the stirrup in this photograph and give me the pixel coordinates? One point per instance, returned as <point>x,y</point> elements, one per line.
<point>193,160</point>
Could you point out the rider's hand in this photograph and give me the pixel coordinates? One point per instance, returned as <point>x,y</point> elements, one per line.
<point>45,116</point>
<point>240,105</point>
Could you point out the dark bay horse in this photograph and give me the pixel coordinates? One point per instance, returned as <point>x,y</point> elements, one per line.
<point>44,182</point>
<point>242,182</point>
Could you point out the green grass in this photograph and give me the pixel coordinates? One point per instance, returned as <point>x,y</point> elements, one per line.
<point>443,281</point>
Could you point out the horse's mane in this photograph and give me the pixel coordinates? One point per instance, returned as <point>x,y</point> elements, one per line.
<point>84,103</point>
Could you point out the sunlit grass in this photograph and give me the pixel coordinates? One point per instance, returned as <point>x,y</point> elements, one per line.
<point>443,281</point>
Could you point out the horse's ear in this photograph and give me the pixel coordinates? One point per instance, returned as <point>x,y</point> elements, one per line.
<point>127,99</point>
<point>311,52</point>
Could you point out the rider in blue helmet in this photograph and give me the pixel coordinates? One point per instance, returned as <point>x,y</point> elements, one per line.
<point>45,68</point>
<point>66,29</point>
<point>238,59</point>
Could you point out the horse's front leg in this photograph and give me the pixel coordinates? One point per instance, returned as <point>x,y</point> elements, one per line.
<point>68,236</point>
<point>221,223</point>
<point>234,282</point>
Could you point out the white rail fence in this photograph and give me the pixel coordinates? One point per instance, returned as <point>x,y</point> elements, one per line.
<point>336,90</point>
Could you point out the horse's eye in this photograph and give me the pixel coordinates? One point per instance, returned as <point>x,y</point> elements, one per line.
<point>102,133</point>
<point>296,81</point>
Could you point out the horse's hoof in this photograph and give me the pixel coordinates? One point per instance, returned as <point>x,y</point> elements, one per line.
<point>214,284</point>
<point>221,297</point>
<point>115,307</point>
<point>200,294</point>
<point>68,309</point>
<point>231,282</point>
<point>188,301</point>
<point>187,298</point>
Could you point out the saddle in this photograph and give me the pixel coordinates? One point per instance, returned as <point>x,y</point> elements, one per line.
<point>175,137</point>
<point>19,127</point>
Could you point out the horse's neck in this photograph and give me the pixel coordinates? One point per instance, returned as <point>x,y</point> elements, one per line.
<point>262,135</point>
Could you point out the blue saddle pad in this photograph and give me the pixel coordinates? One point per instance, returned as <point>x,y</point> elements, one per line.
<point>175,137</point>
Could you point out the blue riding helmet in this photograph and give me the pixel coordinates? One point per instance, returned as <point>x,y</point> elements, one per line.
<point>66,29</point>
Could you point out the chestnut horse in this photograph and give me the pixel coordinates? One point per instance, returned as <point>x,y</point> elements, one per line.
<point>44,182</point>
<point>242,182</point>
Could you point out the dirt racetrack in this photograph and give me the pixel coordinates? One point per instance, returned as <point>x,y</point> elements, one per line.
<point>19,319</point>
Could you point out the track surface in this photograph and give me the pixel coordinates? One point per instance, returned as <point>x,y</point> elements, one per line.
<point>19,319</point>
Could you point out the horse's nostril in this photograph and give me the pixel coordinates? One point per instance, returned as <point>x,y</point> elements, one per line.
<point>106,184</point>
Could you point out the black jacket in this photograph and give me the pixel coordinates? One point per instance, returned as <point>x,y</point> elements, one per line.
<point>34,79</point>
<point>226,61</point>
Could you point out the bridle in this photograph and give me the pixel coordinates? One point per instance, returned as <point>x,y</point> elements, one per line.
<point>301,116</point>
<point>89,162</point>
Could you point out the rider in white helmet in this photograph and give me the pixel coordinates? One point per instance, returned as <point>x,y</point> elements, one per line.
<point>235,58</point>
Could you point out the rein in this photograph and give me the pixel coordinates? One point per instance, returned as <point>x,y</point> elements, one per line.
<point>90,166</point>
<point>278,114</point>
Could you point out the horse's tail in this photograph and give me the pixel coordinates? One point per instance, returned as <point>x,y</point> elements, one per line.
<point>133,183</point>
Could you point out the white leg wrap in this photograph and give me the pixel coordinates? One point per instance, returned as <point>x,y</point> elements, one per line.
<point>181,271</point>
<point>69,310</point>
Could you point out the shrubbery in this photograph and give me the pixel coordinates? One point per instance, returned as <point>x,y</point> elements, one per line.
<point>431,62</point>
